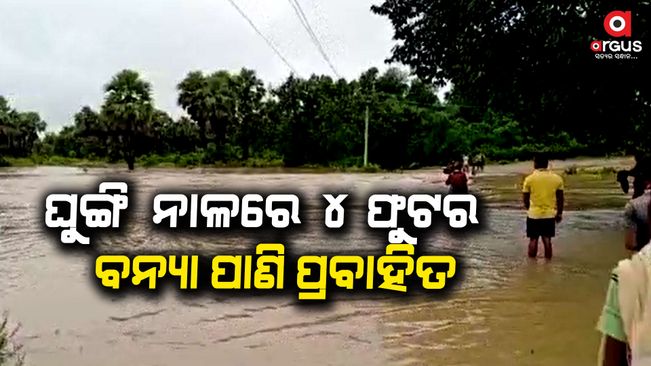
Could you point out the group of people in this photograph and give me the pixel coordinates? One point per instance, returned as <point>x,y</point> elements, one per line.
<point>458,172</point>
<point>625,321</point>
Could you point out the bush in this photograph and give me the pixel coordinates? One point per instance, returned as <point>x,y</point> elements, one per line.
<point>10,350</point>
<point>191,159</point>
<point>58,160</point>
<point>4,162</point>
<point>40,159</point>
<point>210,155</point>
<point>232,153</point>
<point>150,160</point>
<point>263,163</point>
<point>372,168</point>
<point>353,161</point>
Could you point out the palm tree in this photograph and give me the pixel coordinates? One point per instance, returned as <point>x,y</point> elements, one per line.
<point>194,95</point>
<point>128,108</point>
<point>221,106</point>
<point>250,92</point>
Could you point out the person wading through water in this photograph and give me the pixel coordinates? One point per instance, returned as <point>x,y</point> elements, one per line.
<point>478,163</point>
<point>458,180</point>
<point>641,161</point>
<point>635,212</point>
<point>449,168</point>
<point>542,195</point>
<point>625,321</point>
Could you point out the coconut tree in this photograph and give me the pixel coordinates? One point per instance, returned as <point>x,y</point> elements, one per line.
<point>194,97</point>
<point>249,91</point>
<point>128,109</point>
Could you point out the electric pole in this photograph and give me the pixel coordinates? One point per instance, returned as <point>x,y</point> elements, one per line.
<point>366,137</point>
<point>368,101</point>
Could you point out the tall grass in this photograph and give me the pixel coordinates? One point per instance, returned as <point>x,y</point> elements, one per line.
<point>11,352</point>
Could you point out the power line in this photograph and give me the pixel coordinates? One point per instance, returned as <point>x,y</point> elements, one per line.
<point>306,24</point>
<point>269,43</point>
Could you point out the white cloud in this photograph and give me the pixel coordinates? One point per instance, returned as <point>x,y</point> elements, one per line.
<point>55,56</point>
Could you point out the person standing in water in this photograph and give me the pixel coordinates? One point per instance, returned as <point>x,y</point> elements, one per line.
<point>641,162</point>
<point>466,164</point>
<point>478,163</point>
<point>457,180</point>
<point>635,212</point>
<point>625,320</point>
<point>542,194</point>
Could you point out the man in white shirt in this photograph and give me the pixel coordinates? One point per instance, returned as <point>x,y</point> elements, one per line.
<point>466,164</point>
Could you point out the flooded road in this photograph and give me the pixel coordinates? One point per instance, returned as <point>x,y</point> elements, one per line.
<point>507,310</point>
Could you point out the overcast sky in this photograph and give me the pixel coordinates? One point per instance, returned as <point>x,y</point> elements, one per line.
<point>55,56</point>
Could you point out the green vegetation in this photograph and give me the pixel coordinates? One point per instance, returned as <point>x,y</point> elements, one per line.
<point>531,61</point>
<point>11,353</point>
<point>522,84</point>
<point>235,121</point>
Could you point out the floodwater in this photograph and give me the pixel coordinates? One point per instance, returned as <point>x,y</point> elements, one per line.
<point>508,310</point>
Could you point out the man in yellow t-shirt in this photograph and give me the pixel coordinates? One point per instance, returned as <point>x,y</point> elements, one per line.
<point>543,199</point>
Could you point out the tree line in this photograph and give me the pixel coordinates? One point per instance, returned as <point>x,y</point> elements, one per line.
<point>232,118</point>
<point>532,60</point>
<point>524,77</point>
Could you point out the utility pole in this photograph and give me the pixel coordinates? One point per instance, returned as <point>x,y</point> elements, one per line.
<point>366,138</point>
<point>368,101</point>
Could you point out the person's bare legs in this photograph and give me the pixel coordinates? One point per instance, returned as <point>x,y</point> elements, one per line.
<point>547,242</point>
<point>533,247</point>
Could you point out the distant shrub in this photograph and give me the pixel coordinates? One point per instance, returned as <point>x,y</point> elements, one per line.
<point>372,168</point>
<point>39,159</point>
<point>353,161</point>
<point>266,158</point>
<point>191,159</point>
<point>57,160</point>
<point>4,162</point>
<point>232,153</point>
<point>209,155</point>
<point>150,160</point>
<point>262,163</point>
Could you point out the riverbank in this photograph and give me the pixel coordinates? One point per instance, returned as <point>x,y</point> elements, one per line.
<point>590,183</point>
<point>499,185</point>
<point>276,166</point>
<point>184,162</point>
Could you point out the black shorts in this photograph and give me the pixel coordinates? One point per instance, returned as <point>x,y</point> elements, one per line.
<point>541,227</point>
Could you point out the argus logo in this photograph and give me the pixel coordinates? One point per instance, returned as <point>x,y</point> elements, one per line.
<point>617,24</point>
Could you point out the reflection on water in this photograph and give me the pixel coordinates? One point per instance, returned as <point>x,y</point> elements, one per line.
<point>508,310</point>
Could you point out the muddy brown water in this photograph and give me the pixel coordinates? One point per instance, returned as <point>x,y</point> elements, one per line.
<point>507,311</point>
